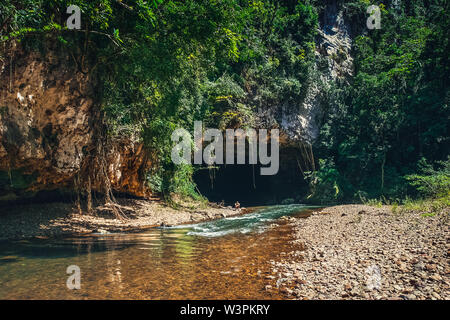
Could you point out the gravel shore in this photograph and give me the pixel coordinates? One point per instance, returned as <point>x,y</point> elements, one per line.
<point>55,219</point>
<point>363,252</point>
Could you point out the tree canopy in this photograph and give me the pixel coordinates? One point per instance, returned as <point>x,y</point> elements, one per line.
<point>163,64</point>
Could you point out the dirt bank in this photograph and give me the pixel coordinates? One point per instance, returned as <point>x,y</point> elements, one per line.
<point>54,219</point>
<point>363,252</point>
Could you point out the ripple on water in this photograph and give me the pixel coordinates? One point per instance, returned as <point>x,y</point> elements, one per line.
<point>222,259</point>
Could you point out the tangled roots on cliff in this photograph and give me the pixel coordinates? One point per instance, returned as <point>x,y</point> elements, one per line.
<point>94,172</point>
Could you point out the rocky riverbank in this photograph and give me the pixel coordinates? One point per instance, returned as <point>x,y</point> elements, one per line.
<point>363,252</point>
<point>55,219</point>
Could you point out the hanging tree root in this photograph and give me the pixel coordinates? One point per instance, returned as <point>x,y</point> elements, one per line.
<point>307,156</point>
<point>94,172</point>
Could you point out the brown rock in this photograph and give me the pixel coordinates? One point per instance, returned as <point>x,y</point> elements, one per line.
<point>430,267</point>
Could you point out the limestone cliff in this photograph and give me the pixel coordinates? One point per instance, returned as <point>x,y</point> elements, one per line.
<point>333,62</point>
<point>48,119</point>
<point>52,132</point>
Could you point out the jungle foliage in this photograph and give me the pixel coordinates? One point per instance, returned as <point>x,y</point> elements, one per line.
<point>163,64</point>
<point>395,110</point>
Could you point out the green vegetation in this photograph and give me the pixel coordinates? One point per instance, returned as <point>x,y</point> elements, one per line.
<point>433,185</point>
<point>324,183</point>
<point>163,64</point>
<point>431,182</point>
<point>16,179</point>
<point>394,111</point>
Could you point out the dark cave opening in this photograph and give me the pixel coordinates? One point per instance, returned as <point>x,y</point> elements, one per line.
<point>244,183</point>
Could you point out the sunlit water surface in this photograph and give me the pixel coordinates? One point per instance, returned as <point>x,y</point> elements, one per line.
<point>223,259</point>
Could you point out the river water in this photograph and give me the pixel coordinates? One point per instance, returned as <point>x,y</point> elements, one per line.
<point>222,259</point>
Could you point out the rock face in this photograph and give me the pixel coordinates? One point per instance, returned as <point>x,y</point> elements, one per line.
<point>47,120</point>
<point>127,163</point>
<point>335,43</point>
<point>333,48</point>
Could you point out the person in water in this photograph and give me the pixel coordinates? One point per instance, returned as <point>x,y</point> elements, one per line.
<point>237,205</point>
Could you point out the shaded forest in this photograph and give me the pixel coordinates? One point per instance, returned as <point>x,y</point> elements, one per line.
<point>158,65</point>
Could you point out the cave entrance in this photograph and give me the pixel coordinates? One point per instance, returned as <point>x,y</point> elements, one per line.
<point>243,183</point>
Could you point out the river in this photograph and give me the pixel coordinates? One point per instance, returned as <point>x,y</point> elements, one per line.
<point>228,258</point>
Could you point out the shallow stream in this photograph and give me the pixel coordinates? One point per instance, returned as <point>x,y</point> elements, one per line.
<point>222,259</point>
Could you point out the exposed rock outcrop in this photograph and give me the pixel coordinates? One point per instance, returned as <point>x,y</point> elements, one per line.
<point>335,43</point>
<point>51,125</point>
<point>48,117</point>
<point>333,49</point>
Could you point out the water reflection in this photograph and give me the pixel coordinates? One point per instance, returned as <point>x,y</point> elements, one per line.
<point>219,259</point>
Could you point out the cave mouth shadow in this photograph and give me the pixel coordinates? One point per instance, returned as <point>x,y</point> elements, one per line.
<point>244,183</point>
